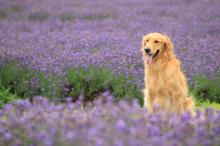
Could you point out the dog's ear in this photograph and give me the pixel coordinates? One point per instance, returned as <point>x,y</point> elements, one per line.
<point>168,45</point>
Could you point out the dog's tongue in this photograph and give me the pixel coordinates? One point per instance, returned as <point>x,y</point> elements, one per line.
<point>149,59</point>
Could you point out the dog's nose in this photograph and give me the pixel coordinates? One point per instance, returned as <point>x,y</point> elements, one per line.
<point>147,50</point>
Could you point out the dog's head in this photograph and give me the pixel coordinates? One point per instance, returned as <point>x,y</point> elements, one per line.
<point>155,44</point>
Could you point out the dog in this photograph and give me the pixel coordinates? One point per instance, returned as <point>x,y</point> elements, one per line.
<point>165,83</point>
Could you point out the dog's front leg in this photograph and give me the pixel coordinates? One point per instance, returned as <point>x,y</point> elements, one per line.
<point>177,104</point>
<point>148,102</point>
<point>162,104</point>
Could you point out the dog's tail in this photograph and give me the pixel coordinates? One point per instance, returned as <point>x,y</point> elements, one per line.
<point>189,106</point>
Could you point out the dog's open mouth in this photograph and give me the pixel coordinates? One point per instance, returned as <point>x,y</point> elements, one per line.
<point>150,57</point>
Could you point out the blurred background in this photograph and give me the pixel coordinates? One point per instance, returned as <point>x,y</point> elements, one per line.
<point>54,34</point>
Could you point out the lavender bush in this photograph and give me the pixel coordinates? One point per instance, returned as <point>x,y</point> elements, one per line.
<point>103,124</point>
<point>54,35</point>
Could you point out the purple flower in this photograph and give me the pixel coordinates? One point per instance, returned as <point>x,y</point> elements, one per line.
<point>97,35</point>
<point>47,123</point>
<point>120,125</point>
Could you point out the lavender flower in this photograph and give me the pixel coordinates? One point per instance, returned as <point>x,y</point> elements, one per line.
<point>106,123</point>
<point>108,34</point>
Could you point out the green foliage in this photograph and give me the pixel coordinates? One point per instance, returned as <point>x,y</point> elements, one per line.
<point>67,17</point>
<point>38,16</point>
<point>93,81</point>
<point>6,96</point>
<point>206,89</point>
<point>96,17</point>
<point>16,8</point>
<point>2,14</point>
<point>25,82</point>
<point>204,104</point>
<point>48,85</point>
<point>207,104</point>
<point>15,78</point>
<point>19,82</point>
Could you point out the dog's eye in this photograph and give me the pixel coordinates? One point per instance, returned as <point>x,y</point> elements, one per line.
<point>156,41</point>
<point>147,40</point>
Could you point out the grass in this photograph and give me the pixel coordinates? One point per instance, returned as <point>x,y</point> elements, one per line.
<point>201,105</point>
<point>204,105</point>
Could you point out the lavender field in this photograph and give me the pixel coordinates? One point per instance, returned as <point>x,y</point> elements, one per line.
<point>52,36</point>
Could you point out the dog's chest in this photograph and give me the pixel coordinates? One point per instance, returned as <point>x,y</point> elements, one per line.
<point>155,81</point>
<point>155,75</point>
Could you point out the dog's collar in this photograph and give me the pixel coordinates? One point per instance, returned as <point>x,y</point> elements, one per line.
<point>156,54</point>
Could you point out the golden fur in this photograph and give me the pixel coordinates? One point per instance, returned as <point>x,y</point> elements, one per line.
<point>165,84</point>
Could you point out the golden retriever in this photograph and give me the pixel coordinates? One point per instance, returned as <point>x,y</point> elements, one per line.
<point>165,83</point>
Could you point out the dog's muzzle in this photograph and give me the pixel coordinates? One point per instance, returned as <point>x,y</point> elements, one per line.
<point>150,56</point>
<point>147,51</point>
